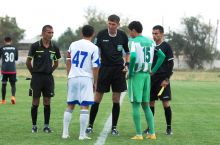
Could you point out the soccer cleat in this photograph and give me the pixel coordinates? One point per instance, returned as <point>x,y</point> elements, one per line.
<point>169,132</point>
<point>3,102</point>
<point>137,137</point>
<point>146,131</point>
<point>34,129</point>
<point>115,132</point>
<point>47,130</point>
<point>65,136</point>
<point>13,100</point>
<point>84,137</point>
<point>151,136</point>
<point>89,130</point>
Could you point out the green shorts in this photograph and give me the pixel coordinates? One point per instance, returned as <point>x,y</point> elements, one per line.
<point>139,87</point>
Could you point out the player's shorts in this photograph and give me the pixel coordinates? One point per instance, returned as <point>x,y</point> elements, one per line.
<point>42,83</point>
<point>111,76</point>
<point>155,88</point>
<point>11,77</point>
<point>139,87</point>
<point>80,91</point>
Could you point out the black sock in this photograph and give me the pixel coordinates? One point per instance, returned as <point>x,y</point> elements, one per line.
<point>34,110</point>
<point>46,114</point>
<point>115,114</point>
<point>168,115</point>
<point>3,91</point>
<point>93,113</point>
<point>13,88</point>
<point>152,109</point>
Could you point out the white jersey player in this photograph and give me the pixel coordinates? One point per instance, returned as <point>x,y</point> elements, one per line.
<point>82,68</point>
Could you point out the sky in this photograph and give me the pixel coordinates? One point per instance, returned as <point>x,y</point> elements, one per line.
<point>32,15</point>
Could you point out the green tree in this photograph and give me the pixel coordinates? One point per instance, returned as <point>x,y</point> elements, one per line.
<point>199,39</point>
<point>177,43</point>
<point>9,27</point>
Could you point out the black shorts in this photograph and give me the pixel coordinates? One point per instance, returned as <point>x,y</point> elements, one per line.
<point>11,77</point>
<point>42,83</point>
<point>155,88</point>
<point>111,76</point>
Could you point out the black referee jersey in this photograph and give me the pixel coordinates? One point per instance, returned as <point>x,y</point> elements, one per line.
<point>43,57</point>
<point>111,48</point>
<point>166,68</point>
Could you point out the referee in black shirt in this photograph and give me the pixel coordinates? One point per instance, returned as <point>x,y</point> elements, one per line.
<point>111,43</point>
<point>161,77</point>
<point>44,55</point>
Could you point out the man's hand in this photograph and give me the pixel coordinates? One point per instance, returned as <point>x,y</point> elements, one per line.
<point>165,83</point>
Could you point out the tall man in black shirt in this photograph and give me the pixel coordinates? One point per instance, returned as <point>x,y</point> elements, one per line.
<point>111,43</point>
<point>8,54</point>
<point>45,55</point>
<point>160,80</point>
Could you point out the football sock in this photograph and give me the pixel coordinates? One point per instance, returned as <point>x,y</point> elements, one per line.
<point>3,91</point>
<point>115,113</point>
<point>13,88</point>
<point>34,110</point>
<point>67,116</point>
<point>46,114</point>
<point>93,113</point>
<point>137,117</point>
<point>168,115</point>
<point>84,117</point>
<point>149,118</point>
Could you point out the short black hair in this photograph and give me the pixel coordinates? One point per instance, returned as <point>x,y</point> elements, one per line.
<point>87,30</point>
<point>159,27</point>
<point>114,18</point>
<point>136,25</point>
<point>7,39</point>
<point>45,27</point>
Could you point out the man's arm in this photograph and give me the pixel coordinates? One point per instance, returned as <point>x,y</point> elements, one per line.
<point>95,75</point>
<point>29,65</point>
<point>161,57</point>
<point>132,60</point>
<point>68,62</point>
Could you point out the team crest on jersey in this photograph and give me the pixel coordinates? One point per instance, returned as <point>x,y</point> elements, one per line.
<point>119,47</point>
<point>51,56</point>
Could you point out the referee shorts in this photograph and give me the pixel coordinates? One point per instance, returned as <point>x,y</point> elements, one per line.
<point>111,76</point>
<point>155,88</point>
<point>42,83</point>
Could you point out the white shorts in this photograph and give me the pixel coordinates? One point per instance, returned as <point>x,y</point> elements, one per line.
<point>80,91</point>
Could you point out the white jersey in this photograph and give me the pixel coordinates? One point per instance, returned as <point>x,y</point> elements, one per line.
<point>84,56</point>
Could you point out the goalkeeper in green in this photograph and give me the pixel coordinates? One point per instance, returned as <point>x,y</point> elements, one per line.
<point>141,57</point>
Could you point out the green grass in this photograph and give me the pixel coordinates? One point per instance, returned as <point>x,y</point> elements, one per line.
<point>195,105</point>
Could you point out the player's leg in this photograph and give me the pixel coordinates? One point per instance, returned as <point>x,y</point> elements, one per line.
<point>168,116</point>
<point>12,80</point>
<point>93,112</point>
<point>115,111</point>
<point>4,84</point>
<point>166,97</point>
<point>103,85</point>
<point>34,112</point>
<point>119,85</point>
<point>67,119</point>
<point>48,92</point>
<point>36,86</point>
<point>84,117</point>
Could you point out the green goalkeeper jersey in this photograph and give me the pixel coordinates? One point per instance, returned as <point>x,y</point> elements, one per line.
<point>141,55</point>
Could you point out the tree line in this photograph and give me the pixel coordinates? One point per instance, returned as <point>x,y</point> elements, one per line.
<point>197,42</point>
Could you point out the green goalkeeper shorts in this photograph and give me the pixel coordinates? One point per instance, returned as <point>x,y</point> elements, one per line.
<point>139,87</point>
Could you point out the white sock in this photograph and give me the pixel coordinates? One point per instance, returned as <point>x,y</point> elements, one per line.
<point>66,121</point>
<point>84,118</point>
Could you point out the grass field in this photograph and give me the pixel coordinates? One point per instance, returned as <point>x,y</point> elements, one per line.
<point>195,105</point>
